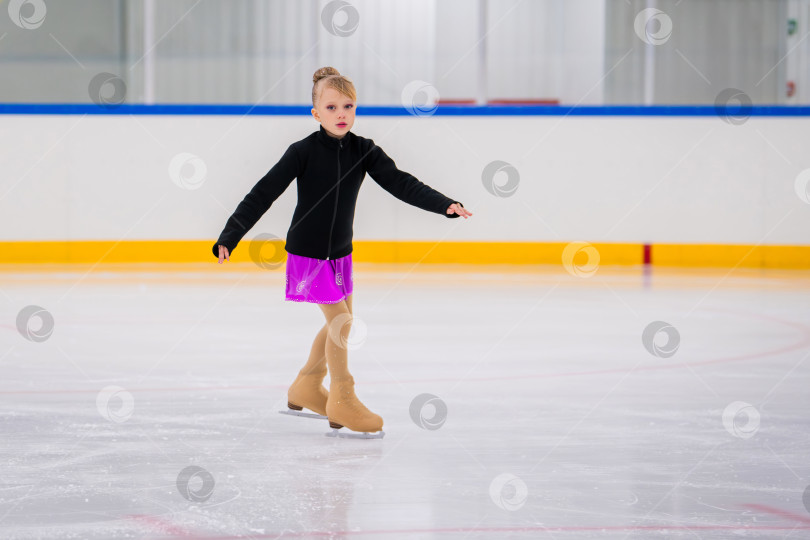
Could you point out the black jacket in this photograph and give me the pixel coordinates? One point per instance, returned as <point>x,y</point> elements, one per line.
<point>329,173</point>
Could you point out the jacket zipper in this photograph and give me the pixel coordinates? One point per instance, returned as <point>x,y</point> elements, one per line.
<point>334,213</point>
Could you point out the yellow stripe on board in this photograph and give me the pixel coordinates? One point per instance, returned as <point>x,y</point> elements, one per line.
<point>196,251</point>
<point>742,256</point>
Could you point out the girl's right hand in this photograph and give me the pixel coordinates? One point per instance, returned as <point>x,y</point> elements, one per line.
<point>223,253</point>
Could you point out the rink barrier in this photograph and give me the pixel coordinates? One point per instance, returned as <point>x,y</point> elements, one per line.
<point>467,253</point>
<point>379,110</point>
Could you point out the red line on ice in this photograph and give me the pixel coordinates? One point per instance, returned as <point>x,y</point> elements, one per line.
<point>162,524</point>
<point>801,344</point>
<point>778,512</point>
<point>514,529</point>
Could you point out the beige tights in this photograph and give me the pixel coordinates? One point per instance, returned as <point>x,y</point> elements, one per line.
<point>335,336</point>
<point>343,408</point>
<point>317,354</point>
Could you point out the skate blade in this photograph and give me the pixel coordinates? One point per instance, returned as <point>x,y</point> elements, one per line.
<point>355,435</point>
<point>292,412</point>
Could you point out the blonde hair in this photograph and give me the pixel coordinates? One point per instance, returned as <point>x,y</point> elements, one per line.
<point>331,79</point>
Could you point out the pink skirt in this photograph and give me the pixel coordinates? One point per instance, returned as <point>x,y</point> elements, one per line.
<point>318,281</point>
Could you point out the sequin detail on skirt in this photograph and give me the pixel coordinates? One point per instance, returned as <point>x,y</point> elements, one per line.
<point>318,281</point>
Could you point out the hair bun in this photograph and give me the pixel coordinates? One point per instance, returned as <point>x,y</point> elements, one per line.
<point>324,72</point>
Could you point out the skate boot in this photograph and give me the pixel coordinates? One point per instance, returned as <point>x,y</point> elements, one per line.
<point>344,409</point>
<point>307,391</point>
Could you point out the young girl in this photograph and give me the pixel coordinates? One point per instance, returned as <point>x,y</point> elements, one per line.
<point>330,165</point>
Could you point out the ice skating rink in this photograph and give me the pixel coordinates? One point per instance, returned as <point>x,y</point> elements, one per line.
<point>151,410</point>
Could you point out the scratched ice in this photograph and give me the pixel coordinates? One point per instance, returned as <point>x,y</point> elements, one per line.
<point>517,404</point>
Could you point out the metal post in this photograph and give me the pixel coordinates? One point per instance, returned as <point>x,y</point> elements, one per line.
<point>148,59</point>
<point>649,67</point>
<point>481,93</point>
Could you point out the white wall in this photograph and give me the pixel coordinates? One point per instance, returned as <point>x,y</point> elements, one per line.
<point>612,179</point>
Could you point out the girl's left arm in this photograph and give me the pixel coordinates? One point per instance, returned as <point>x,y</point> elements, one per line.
<point>405,186</point>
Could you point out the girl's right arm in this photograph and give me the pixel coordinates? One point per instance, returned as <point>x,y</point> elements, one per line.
<point>257,202</point>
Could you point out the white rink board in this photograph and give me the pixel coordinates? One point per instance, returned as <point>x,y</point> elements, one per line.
<point>598,179</point>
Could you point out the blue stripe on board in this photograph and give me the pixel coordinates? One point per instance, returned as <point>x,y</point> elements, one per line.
<point>442,110</point>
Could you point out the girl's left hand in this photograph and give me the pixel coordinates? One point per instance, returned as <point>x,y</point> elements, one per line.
<point>455,208</point>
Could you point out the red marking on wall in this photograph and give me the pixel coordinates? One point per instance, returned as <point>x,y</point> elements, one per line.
<point>523,102</point>
<point>500,102</point>
<point>456,102</point>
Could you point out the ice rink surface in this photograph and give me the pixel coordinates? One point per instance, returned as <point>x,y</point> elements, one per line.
<point>151,410</point>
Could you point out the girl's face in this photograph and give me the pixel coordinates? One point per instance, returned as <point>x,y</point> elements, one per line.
<point>335,112</point>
